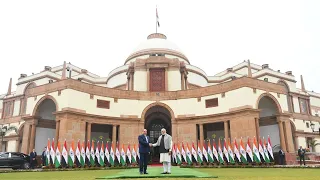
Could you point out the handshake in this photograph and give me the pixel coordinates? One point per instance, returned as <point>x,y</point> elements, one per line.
<point>150,144</point>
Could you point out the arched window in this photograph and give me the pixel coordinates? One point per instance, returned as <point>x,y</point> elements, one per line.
<point>24,101</point>
<point>289,97</point>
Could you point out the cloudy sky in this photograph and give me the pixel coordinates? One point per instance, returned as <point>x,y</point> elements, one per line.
<point>214,35</point>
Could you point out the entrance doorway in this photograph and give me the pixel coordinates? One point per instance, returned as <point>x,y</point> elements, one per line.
<point>156,118</point>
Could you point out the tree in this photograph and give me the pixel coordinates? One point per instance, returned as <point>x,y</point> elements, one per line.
<point>4,130</point>
<point>313,143</point>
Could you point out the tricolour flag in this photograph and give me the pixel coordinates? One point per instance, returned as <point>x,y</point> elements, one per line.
<point>261,150</point>
<point>78,153</point>
<point>57,162</point>
<point>97,152</point>
<point>106,152</point>
<point>101,155</point>
<point>71,155</point>
<point>266,155</point>
<point>231,155</point>
<point>243,152</point>
<point>178,154</point>
<point>48,153</point>
<point>210,154</point>
<point>183,153</point>
<point>134,154</point>
<point>111,155</point>
<point>88,154</point>
<point>220,157</point>
<point>138,153</point>
<point>256,155</point>
<point>189,156</point>
<point>236,150</point>
<point>123,156</point>
<point>200,156</point>
<point>92,155</point>
<point>214,151</point>
<point>129,153</point>
<point>225,151</point>
<point>117,152</point>
<point>269,147</point>
<point>204,151</point>
<point>174,153</point>
<point>249,151</point>
<point>52,152</point>
<point>194,152</point>
<point>65,152</point>
<point>83,154</point>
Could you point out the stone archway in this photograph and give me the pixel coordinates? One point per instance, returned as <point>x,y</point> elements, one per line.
<point>46,122</point>
<point>155,118</point>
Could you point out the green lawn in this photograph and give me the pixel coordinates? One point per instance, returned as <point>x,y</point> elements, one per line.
<point>222,173</point>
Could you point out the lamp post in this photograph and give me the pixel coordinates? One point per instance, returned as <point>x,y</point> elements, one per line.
<point>313,126</point>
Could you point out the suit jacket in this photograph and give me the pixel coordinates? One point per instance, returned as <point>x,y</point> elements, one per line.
<point>167,142</point>
<point>33,155</point>
<point>144,144</point>
<point>301,152</point>
<point>281,153</point>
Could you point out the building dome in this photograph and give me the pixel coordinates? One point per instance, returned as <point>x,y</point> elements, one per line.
<point>156,43</point>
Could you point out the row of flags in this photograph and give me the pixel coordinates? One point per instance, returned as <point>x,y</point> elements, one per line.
<point>258,152</point>
<point>89,154</point>
<point>93,154</point>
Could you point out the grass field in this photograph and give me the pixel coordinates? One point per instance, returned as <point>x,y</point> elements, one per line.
<point>222,173</point>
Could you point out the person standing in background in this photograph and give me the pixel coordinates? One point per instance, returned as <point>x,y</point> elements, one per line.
<point>33,160</point>
<point>301,153</point>
<point>144,150</point>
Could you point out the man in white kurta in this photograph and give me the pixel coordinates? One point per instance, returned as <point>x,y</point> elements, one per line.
<point>165,146</point>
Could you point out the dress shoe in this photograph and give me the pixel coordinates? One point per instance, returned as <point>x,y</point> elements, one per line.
<point>164,173</point>
<point>146,173</point>
<point>168,172</point>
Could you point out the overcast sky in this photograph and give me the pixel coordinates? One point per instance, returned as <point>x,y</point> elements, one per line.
<point>214,35</point>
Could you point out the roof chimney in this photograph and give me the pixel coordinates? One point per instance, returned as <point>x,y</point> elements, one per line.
<point>47,68</point>
<point>64,70</point>
<point>302,84</point>
<point>9,88</point>
<point>84,71</point>
<point>289,73</point>
<point>249,69</point>
<point>264,66</point>
<point>229,69</point>
<point>22,76</point>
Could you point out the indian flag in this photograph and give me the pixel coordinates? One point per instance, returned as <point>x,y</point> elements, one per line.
<point>57,161</point>
<point>118,153</point>
<point>106,152</point>
<point>266,155</point>
<point>48,153</point>
<point>269,147</point>
<point>65,152</point>
<point>83,154</point>
<point>231,155</point>
<point>220,153</point>
<point>52,152</point>
<point>102,155</point>
<point>174,153</point>
<point>236,150</point>
<point>255,150</point>
<point>138,153</point>
<point>78,154</point>
<point>97,152</point>
<point>92,157</point>
<point>261,150</point>
<point>71,155</point>
<point>129,153</point>
<point>123,156</point>
<point>194,153</point>
<point>225,151</point>
<point>243,153</point>
<point>200,156</point>
<point>88,152</point>
<point>183,153</point>
<point>189,158</point>
<point>111,155</point>
<point>210,154</point>
<point>214,150</point>
<point>134,154</point>
<point>178,154</point>
<point>204,151</point>
<point>249,151</point>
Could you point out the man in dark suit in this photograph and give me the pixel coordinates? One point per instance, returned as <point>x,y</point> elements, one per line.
<point>281,157</point>
<point>301,153</point>
<point>144,150</point>
<point>44,156</point>
<point>33,156</point>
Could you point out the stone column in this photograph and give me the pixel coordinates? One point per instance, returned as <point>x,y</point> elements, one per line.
<point>166,74</point>
<point>114,133</point>
<point>57,132</point>
<point>88,131</point>
<point>32,137</point>
<point>289,139</point>
<point>201,134</point>
<point>257,129</point>
<point>182,81</point>
<point>26,138</point>
<point>175,136</point>
<point>148,79</point>
<point>226,130</point>
<point>282,140</point>
<point>17,145</point>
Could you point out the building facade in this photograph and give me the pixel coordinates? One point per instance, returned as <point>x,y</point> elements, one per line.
<point>158,87</point>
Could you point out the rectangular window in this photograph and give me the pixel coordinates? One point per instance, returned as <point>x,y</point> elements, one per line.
<point>157,79</point>
<point>303,106</point>
<point>212,103</point>
<point>7,109</point>
<point>307,125</point>
<point>103,104</point>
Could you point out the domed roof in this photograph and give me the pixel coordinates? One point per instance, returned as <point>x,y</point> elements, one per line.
<point>157,43</point>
